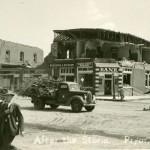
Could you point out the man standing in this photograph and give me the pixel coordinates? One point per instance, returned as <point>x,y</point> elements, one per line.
<point>11,121</point>
<point>121,94</point>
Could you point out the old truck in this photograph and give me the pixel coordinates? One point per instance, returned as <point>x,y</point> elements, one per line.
<point>65,94</point>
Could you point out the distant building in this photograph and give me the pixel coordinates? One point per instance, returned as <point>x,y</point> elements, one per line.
<point>18,54</point>
<point>18,62</point>
<point>102,59</point>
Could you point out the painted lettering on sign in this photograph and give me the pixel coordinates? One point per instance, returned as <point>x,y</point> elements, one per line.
<point>55,65</point>
<point>67,65</point>
<point>86,64</point>
<point>61,65</point>
<point>104,69</point>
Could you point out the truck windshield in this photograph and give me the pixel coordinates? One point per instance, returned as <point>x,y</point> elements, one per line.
<point>74,87</point>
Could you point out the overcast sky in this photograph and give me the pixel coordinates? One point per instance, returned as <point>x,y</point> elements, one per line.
<point>31,22</point>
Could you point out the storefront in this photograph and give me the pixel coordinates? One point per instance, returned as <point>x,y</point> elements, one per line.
<point>102,78</point>
<point>13,77</point>
<point>85,74</point>
<point>106,79</point>
<point>63,71</point>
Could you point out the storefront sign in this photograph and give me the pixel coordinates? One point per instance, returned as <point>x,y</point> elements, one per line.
<point>61,65</point>
<point>108,69</point>
<point>86,64</point>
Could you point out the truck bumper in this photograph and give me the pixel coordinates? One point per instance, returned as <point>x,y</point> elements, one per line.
<point>89,104</point>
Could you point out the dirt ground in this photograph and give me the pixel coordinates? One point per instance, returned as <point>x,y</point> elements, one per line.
<point>111,125</point>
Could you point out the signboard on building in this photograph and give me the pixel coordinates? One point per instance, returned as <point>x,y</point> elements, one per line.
<point>62,65</point>
<point>85,64</point>
<point>105,69</point>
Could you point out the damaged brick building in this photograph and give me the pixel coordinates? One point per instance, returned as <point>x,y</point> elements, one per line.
<point>101,59</point>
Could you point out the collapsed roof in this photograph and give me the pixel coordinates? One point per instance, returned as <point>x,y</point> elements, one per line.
<point>101,34</point>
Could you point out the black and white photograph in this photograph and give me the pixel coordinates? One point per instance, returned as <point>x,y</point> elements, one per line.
<point>74,74</point>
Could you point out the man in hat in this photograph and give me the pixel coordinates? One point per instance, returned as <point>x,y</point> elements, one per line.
<point>11,121</point>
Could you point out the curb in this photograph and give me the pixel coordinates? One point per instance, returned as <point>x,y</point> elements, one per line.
<point>126,98</point>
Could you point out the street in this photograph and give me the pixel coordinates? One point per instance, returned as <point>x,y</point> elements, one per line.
<point>110,125</point>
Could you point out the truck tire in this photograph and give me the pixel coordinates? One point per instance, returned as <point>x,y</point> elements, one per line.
<point>39,104</point>
<point>89,108</point>
<point>76,106</point>
<point>53,106</point>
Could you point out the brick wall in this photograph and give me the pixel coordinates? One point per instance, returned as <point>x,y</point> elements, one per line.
<point>15,49</point>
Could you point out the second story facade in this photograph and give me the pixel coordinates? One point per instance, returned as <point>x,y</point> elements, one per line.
<point>99,43</point>
<point>18,54</point>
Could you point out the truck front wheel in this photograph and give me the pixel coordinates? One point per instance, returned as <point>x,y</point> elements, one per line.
<point>89,108</point>
<point>39,104</point>
<point>76,106</point>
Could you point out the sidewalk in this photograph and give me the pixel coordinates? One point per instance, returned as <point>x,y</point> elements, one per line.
<point>109,98</point>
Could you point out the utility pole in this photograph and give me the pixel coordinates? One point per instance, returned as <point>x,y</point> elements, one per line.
<point>113,77</point>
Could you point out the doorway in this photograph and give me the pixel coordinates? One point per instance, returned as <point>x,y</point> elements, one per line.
<point>107,87</point>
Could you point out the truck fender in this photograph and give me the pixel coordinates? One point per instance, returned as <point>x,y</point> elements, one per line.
<point>75,97</point>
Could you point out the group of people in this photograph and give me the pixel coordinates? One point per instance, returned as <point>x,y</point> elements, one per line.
<point>11,121</point>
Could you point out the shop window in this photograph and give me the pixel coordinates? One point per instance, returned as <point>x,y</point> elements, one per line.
<point>70,78</point>
<point>79,69</point>
<point>62,70</point>
<point>146,80</point>
<point>67,70</point>
<point>84,69</point>
<point>72,70</point>
<point>7,57</point>
<point>35,58</point>
<point>21,56</point>
<point>90,69</point>
<point>126,79</point>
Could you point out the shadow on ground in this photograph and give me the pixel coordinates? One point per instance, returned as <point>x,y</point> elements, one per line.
<point>53,110</point>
